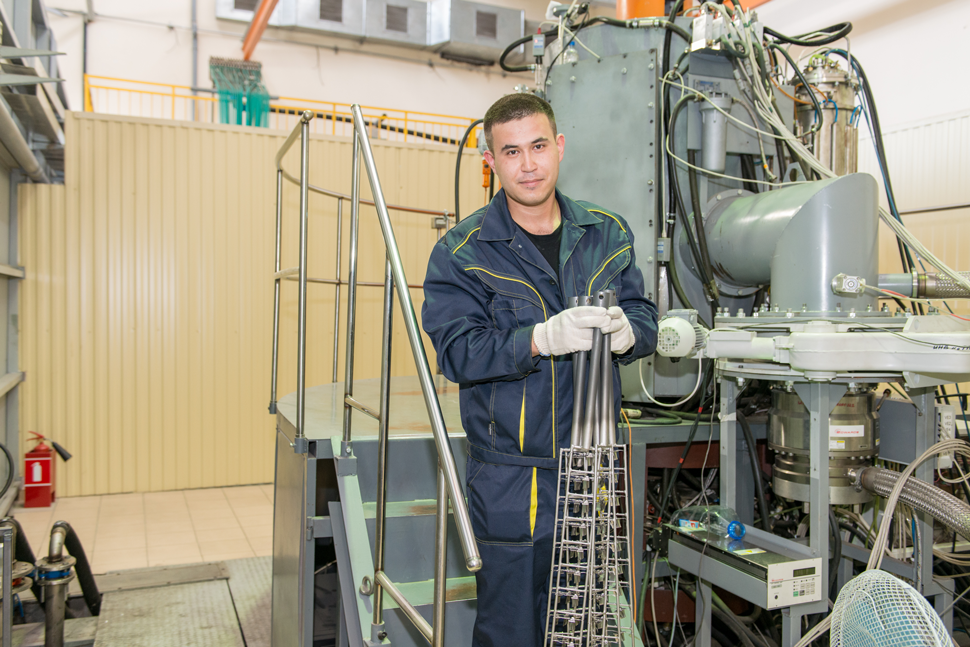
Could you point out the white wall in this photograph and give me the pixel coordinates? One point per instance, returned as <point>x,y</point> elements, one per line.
<point>912,51</point>
<point>121,46</point>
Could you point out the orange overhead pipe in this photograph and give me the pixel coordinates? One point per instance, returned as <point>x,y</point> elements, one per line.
<point>626,9</point>
<point>257,27</point>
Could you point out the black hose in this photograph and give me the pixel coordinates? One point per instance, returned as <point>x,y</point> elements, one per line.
<point>10,469</point>
<point>695,202</point>
<point>755,472</point>
<point>461,150</point>
<point>855,532</point>
<point>669,24</point>
<point>89,587</point>
<point>836,550</point>
<point>808,88</point>
<point>749,172</point>
<point>668,486</point>
<point>841,30</point>
<point>521,41</point>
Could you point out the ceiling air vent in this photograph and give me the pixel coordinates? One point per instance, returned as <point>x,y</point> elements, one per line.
<point>245,5</point>
<point>396,18</point>
<point>486,24</point>
<point>332,10</point>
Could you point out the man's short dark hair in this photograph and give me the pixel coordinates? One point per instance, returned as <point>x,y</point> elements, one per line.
<point>516,106</point>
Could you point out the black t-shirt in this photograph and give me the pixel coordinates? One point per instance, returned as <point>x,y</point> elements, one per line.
<point>547,244</point>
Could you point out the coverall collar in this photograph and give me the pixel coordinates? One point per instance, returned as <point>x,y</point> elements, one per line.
<point>497,224</point>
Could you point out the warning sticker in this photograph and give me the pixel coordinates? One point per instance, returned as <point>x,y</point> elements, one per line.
<point>749,551</point>
<point>836,444</point>
<point>847,431</point>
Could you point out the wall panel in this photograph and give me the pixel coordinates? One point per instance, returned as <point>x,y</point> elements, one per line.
<point>146,313</point>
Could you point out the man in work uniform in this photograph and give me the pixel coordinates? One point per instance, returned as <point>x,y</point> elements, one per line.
<point>495,309</point>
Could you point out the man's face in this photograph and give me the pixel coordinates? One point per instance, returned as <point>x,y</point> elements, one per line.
<point>525,156</point>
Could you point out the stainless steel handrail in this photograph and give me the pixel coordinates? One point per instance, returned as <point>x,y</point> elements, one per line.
<point>394,281</point>
<point>473,560</point>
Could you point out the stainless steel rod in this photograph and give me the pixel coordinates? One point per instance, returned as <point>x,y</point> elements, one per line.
<point>473,560</point>
<point>392,207</point>
<point>276,292</point>
<point>579,377</point>
<point>55,607</point>
<point>440,564</point>
<point>336,296</point>
<point>353,403</point>
<point>305,118</point>
<point>419,622</point>
<point>304,219</point>
<point>590,416</point>
<point>8,560</point>
<point>381,517</point>
<point>608,422</point>
<point>352,289</point>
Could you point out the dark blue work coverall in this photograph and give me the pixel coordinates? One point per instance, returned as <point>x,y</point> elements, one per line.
<point>487,286</point>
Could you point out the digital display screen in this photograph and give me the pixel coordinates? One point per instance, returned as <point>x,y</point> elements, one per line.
<point>802,572</point>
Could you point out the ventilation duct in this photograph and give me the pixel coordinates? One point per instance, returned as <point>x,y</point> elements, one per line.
<point>473,31</point>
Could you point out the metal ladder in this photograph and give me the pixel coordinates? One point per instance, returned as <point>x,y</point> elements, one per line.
<point>448,487</point>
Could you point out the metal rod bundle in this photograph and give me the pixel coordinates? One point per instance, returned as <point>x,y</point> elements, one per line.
<point>590,583</point>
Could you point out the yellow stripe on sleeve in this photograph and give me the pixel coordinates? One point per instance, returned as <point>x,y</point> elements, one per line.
<point>522,423</point>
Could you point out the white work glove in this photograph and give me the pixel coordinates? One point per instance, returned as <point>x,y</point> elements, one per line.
<point>569,331</point>
<point>619,326</point>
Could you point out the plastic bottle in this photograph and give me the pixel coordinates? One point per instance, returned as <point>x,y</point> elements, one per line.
<point>715,520</point>
<point>571,55</point>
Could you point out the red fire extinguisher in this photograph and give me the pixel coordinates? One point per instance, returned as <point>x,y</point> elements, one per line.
<point>39,472</point>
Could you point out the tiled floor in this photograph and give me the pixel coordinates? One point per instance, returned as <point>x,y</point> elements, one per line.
<point>122,531</point>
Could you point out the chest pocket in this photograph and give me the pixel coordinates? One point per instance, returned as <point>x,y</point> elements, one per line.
<point>614,263</point>
<point>511,313</point>
<point>516,302</point>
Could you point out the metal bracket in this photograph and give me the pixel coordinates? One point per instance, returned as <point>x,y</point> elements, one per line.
<point>439,222</point>
<point>317,527</point>
<point>346,465</point>
<point>300,446</point>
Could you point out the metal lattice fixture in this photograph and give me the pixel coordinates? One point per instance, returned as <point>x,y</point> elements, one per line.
<point>590,584</point>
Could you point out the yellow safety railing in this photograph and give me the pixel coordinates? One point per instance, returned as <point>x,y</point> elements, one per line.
<point>116,96</point>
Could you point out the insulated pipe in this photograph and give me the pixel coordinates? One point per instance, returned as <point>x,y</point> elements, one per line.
<point>942,506</point>
<point>929,285</point>
<point>13,139</point>
<point>796,239</point>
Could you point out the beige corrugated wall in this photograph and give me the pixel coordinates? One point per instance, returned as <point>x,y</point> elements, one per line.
<point>928,163</point>
<point>146,313</point>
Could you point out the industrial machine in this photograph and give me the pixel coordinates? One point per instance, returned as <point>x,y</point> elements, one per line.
<point>735,166</point>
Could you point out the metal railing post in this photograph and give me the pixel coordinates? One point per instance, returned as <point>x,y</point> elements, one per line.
<point>440,563</point>
<point>381,517</point>
<point>300,440</point>
<point>336,297</point>
<point>6,545</point>
<point>473,560</point>
<point>351,296</point>
<point>276,290</point>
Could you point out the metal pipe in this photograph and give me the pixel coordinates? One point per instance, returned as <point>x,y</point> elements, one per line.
<point>55,607</point>
<point>15,142</point>
<point>473,560</point>
<point>382,430</point>
<point>276,291</point>
<point>926,285</point>
<point>591,415</point>
<point>55,549</point>
<point>336,297</point>
<point>301,315</point>
<point>609,412</point>
<point>579,381</point>
<point>351,292</point>
<point>363,408</point>
<point>7,537</point>
<point>440,564</point>
<point>419,622</point>
<point>344,196</point>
